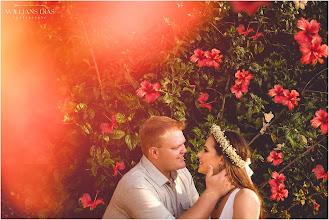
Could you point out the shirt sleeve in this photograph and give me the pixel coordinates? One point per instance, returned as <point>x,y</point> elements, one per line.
<point>194,192</point>
<point>144,203</point>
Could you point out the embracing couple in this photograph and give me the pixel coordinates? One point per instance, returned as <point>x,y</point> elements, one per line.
<point>161,187</point>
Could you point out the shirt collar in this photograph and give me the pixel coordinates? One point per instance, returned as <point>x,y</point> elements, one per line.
<point>155,174</point>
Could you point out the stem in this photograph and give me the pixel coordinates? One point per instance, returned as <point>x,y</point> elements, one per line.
<point>224,98</point>
<point>267,126</point>
<point>297,158</point>
<point>315,91</point>
<point>94,60</point>
<point>107,117</point>
<point>312,79</point>
<point>96,195</point>
<point>296,203</point>
<point>216,29</point>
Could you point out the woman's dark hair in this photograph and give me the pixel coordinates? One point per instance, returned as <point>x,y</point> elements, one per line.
<point>238,176</point>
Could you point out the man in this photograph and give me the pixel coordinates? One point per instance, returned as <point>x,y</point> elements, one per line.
<point>160,186</point>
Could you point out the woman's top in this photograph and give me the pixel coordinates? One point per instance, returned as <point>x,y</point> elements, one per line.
<point>227,212</point>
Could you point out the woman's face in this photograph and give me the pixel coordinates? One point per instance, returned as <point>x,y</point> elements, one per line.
<point>209,156</point>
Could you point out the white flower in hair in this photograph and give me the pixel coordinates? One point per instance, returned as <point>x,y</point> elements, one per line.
<point>228,149</point>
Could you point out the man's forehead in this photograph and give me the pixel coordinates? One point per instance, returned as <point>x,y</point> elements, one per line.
<point>173,135</point>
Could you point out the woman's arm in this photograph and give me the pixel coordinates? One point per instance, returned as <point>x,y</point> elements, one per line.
<point>246,205</point>
<point>217,186</point>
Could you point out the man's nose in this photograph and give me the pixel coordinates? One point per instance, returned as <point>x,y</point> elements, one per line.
<point>184,149</point>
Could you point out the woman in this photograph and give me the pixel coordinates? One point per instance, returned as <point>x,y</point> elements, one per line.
<point>230,150</point>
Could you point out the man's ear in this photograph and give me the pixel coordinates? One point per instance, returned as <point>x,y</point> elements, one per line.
<point>153,152</point>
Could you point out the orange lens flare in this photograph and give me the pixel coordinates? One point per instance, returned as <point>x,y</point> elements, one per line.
<point>31,167</point>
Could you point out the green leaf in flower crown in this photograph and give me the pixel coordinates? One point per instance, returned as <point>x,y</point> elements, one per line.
<point>117,134</point>
<point>120,118</point>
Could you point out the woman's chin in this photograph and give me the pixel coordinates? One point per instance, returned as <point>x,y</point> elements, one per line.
<point>201,171</point>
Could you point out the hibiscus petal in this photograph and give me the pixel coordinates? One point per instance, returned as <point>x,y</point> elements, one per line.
<point>203,97</point>
<point>120,165</point>
<point>106,128</point>
<point>85,200</point>
<point>314,26</point>
<point>316,122</point>
<point>324,128</point>
<point>141,92</point>
<point>301,37</point>
<point>303,24</point>
<point>151,97</point>
<point>241,29</point>
<point>156,86</point>
<point>276,162</point>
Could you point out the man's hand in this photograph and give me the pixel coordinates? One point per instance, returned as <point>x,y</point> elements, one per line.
<point>219,183</point>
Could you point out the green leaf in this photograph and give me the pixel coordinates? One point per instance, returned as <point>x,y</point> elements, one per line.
<point>108,162</point>
<point>167,98</point>
<point>179,116</point>
<point>106,154</point>
<point>120,118</point>
<point>261,48</point>
<point>92,151</point>
<point>94,169</point>
<point>152,112</point>
<point>117,134</point>
<point>106,138</point>
<point>197,131</point>
<point>129,141</point>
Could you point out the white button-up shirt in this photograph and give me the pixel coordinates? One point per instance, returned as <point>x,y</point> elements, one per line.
<point>144,192</point>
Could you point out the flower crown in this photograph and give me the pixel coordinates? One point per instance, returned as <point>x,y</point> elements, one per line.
<point>228,149</point>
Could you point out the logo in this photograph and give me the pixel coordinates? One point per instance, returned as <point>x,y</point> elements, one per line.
<point>30,11</point>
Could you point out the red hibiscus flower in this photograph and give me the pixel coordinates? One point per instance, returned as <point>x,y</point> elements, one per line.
<point>275,157</point>
<point>117,167</point>
<point>213,58</point>
<point>320,173</point>
<point>320,119</point>
<point>238,89</point>
<point>199,56</point>
<point>248,6</point>
<point>315,205</point>
<point>290,98</point>
<point>202,99</point>
<point>279,192</point>
<point>309,30</point>
<point>241,29</point>
<point>108,127</point>
<point>243,77</point>
<point>277,179</point>
<point>149,90</point>
<point>313,51</point>
<point>255,37</point>
<point>277,92</point>
<point>86,201</point>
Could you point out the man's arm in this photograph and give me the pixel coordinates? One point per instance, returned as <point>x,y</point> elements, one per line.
<point>144,203</point>
<point>217,186</point>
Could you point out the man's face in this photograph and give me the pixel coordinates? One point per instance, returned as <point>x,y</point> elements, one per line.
<point>171,152</point>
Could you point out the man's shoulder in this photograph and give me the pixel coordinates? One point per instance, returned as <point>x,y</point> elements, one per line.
<point>134,178</point>
<point>184,172</point>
